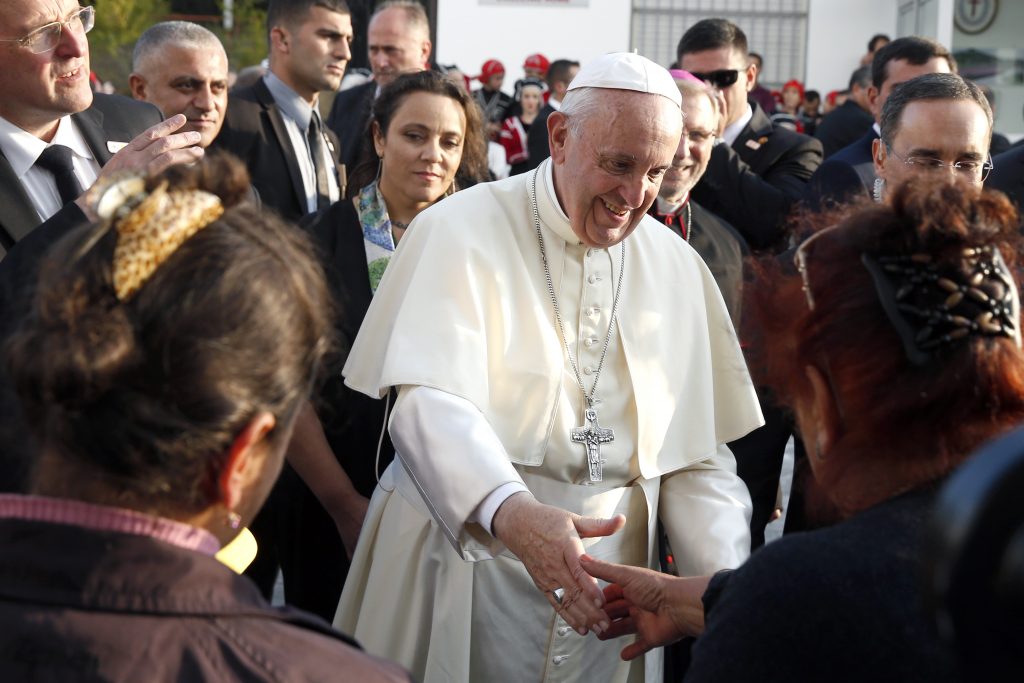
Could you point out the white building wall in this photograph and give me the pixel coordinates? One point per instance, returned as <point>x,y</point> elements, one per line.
<point>468,33</point>
<point>837,38</point>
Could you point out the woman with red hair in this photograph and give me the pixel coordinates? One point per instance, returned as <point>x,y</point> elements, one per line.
<point>896,342</point>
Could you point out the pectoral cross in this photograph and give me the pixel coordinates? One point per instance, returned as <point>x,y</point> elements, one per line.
<point>592,436</point>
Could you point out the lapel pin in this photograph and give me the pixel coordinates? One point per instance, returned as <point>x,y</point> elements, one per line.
<point>753,144</point>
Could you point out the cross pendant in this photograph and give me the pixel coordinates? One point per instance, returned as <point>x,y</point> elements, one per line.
<point>592,436</point>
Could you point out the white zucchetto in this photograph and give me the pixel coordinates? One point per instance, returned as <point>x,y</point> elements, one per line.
<point>627,71</point>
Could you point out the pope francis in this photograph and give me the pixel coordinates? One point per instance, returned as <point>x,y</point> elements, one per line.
<point>567,376</point>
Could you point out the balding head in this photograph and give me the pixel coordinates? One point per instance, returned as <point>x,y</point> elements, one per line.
<point>398,40</point>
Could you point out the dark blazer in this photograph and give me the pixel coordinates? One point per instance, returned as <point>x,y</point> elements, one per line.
<point>349,117</point>
<point>352,421</point>
<point>1008,176</point>
<point>85,605</point>
<point>754,183</point>
<point>842,126</point>
<point>255,132</point>
<point>848,174</point>
<point>721,247</point>
<point>110,118</point>
<point>537,144</point>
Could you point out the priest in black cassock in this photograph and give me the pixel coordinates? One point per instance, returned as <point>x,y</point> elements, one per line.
<point>717,242</point>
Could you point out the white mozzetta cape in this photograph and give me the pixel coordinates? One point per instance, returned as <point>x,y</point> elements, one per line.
<point>464,308</point>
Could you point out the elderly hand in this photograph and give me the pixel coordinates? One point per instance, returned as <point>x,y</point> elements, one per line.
<point>151,152</point>
<point>659,608</point>
<point>547,541</point>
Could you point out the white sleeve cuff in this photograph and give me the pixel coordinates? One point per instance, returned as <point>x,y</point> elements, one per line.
<point>484,513</point>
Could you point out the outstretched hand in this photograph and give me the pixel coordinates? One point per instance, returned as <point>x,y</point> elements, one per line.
<point>547,541</point>
<point>660,609</point>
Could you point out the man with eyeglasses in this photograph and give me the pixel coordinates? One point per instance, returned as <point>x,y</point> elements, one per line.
<point>56,137</point>
<point>937,126</point>
<point>850,172</point>
<point>754,178</point>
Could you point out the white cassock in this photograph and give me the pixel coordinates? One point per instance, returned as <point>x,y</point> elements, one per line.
<point>463,324</point>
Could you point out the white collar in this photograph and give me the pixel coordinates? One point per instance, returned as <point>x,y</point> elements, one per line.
<point>22,149</point>
<point>555,104</point>
<point>551,213</point>
<point>733,130</point>
<point>878,129</point>
<point>289,101</point>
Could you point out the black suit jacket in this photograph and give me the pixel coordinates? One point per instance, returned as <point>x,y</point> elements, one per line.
<point>1008,176</point>
<point>722,248</point>
<point>754,183</point>
<point>110,119</point>
<point>349,117</point>
<point>842,126</point>
<point>848,174</point>
<point>254,131</point>
<point>537,144</point>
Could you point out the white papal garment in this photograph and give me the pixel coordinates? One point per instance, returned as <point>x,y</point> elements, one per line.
<point>463,323</point>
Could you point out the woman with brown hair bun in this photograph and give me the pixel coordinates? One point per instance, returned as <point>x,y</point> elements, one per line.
<point>160,368</point>
<point>896,342</point>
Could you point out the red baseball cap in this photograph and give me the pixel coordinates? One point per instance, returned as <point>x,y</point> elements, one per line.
<point>537,61</point>
<point>492,67</point>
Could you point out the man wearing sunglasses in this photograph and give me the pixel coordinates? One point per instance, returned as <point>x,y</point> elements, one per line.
<point>753,180</point>
<point>56,137</point>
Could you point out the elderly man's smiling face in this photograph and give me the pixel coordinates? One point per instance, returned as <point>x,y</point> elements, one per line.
<point>609,164</point>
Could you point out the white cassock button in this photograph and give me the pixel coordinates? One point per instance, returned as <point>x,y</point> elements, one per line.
<point>594,278</point>
<point>559,659</point>
<point>595,311</point>
<point>564,630</point>
<point>589,342</point>
<point>588,370</point>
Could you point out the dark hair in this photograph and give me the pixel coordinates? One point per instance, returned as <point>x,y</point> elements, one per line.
<point>927,87</point>
<point>473,166</point>
<point>898,418</point>
<point>292,12</point>
<point>812,96</point>
<point>712,34</point>
<point>875,40</point>
<point>150,393</point>
<point>911,49</point>
<point>861,76</point>
<point>756,55</point>
<point>559,71</point>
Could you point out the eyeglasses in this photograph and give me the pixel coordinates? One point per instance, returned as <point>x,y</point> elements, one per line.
<point>800,260</point>
<point>47,37</point>
<point>977,171</point>
<point>722,78</point>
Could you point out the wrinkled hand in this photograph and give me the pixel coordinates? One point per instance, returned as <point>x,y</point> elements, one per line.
<point>350,522</point>
<point>547,541</point>
<point>151,152</point>
<point>659,608</point>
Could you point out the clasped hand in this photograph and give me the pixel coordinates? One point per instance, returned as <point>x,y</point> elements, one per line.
<point>548,541</point>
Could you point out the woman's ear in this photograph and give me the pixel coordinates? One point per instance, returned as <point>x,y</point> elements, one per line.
<point>242,464</point>
<point>378,139</point>
<point>825,412</point>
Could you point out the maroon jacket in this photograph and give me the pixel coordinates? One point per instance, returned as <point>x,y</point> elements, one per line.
<point>83,605</point>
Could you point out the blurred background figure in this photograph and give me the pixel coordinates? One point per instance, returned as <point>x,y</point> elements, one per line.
<point>789,108</point>
<point>181,68</point>
<point>560,75</point>
<point>492,101</point>
<point>1000,143</point>
<point>163,394</point>
<point>851,119</point>
<point>853,347</point>
<point>760,94</point>
<point>877,42</point>
<point>810,111</point>
<point>516,129</point>
<point>536,66</point>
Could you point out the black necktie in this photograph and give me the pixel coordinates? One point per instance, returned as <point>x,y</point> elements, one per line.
<point>316,149</point>
<point>57,160</point>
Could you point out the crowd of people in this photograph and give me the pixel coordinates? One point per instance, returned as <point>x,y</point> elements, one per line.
<point>482,427</point>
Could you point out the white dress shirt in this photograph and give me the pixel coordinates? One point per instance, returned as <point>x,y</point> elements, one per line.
<point>733,130</point>
<point>22,149</point>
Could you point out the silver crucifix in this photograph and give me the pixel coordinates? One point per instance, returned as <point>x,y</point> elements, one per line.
<point>592,436</point>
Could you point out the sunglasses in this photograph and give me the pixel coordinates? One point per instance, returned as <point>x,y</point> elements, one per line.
<point>722,78</point>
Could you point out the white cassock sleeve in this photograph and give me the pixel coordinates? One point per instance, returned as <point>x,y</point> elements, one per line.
<point>454,458</point>
<point>705,510</point>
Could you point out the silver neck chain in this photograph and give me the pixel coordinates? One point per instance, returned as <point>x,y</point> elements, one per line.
<point>689,221</point>
<point>554,302</point>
